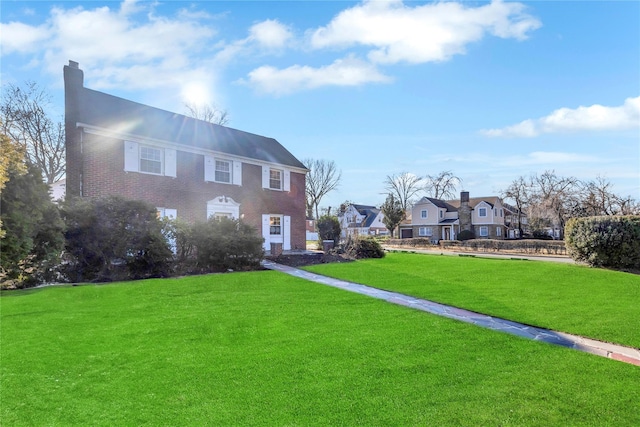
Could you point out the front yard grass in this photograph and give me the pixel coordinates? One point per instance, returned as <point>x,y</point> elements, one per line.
<point>264,348</point>
<point>595,303</point>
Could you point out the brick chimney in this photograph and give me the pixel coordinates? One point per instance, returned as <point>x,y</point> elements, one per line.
<point>464,211</point>
<point>73,87</point>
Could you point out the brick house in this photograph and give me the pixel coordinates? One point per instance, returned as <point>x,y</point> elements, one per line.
<point>438,220</point>
<point>187,168</point>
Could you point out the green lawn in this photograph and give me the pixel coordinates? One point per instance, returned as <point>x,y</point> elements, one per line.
<point>596,303</point>
<point>264,348</point>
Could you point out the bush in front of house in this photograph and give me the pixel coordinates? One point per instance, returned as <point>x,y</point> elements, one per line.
<point>31,230</point>
<point>113,238</point>
<point>328,228</point>
<point>466,235</point>
<point>364,247</point>
<point>222,244</point>
<point>605,241</point>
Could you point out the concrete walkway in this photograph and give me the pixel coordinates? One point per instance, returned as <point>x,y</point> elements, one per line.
<point>612,351</point>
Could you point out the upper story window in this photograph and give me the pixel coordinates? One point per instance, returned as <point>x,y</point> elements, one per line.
<point>482,212</point>
<point>441,214</point>
<point>424,213</point>
<point>275,179</point>
<point>151,160</point>
<point>223,171</point>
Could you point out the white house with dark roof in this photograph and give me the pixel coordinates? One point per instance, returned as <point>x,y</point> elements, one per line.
<point>362,220</point>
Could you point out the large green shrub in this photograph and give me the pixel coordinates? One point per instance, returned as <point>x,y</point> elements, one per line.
<point>605,241</point>
<point>364,247</point>
<point>328,228</point>
<point>114,239</point>
<point>32,230</point>
<point>222,244</point>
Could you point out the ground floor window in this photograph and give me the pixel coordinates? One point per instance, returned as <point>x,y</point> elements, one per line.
<point>275,225</point>
<point>498,231</point>
<point>425,231</point>
<point>484,231</point>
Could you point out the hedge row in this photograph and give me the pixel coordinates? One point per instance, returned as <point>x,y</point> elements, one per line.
<point>527,246</point>
<point>605,241</point>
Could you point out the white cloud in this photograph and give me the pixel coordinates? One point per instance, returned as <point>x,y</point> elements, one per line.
<point>125,47</point>
<point>270,34</point>
<point>593,118</point>
<point>349,71</point>
<point>19,37</point>
<point>431,32</point>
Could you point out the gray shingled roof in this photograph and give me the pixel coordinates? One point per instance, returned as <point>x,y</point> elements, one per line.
<point>110,112</point>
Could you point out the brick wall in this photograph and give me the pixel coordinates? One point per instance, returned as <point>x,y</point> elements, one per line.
<point>104,174</point>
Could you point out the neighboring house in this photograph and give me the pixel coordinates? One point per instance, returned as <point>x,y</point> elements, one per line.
<point>58,190</point>
<point>362,220</point>
<point>437,219</point>
<point>189,169</point>
<point>515,221</point>
<point>312,233</point>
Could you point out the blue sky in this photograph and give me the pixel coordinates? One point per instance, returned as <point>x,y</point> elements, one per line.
<point>488,90</point>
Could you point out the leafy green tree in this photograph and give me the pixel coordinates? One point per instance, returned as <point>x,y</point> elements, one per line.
<point>32,228</point>
<point>393,213</point>
<point>114,239</point>
<point>328,228</point>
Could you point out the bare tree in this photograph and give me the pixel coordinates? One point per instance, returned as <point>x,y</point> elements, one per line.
<point>208,113</point>
<point>323,177</point>
<point>403,187</point>
<point>555,197</point>
<point>442,185</point>
<point>519,191</point>
<point>24,117</point>
<point>599,199</point>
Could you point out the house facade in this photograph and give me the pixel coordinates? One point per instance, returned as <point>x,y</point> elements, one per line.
<point>437,219</point>
<point>362,220</point>
<point>187,168</point>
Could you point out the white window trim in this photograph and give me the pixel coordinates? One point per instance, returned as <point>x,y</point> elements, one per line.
<point>132,158</point>
<point>486,212</point>
<point>485,229</point>
<point>140,159</point>
<point>235,170</point>
<point>285,178</point>
<point>424,214</point>
<point>425,231</point>
<point>223,205</point>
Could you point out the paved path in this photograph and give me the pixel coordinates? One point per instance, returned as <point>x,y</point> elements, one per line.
<point>612,351</point>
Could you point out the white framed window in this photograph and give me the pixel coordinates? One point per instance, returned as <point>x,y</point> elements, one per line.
<point>482,212</point>
<point>275,179</point>
<point>484,231</point>
<point>275,225</point>
<point>424,213</point>
<point>149,159</point>
<point>220,215</point>
<point>223,171</point>
<point>501,212</point>
<point>498,231</point>
<point>425,231</point>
